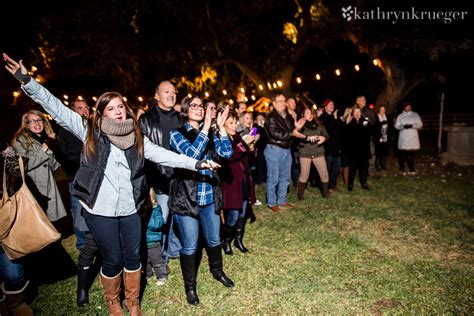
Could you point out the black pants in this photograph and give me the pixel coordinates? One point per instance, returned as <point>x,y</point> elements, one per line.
<point>156,263</point>
<point>380,163</point>
<point>407,156</point>
<point>361,166</point>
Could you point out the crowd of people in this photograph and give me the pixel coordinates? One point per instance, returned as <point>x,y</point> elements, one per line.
<point>144,185</point>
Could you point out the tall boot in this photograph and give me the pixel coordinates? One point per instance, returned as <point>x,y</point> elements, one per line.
<point>228,233</point>
<point>239,235</point>
<point>215,266</point>
<point>301,188</point>
<point>112,289</point>
<point>131,281</point>
<point>84,276</point>
<point>15,301</point>
<point>188,266</point>
<point>325,189</point>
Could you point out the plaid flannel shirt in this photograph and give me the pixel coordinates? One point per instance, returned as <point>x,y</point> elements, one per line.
<point>196,150</point>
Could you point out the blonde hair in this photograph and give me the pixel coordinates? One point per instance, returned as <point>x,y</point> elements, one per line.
<point>25,131</point>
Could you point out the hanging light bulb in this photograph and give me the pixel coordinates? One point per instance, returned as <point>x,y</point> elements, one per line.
<point>260,87</point>
<point>357,68</point>
<point>279,83</point>
<point>224,92</point>
<point>298,80</point>
<point>338,72</point>
<point>318,77</point>
<point>140,99</point>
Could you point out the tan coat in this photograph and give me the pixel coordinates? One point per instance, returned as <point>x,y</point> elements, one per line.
<point>40,169</point>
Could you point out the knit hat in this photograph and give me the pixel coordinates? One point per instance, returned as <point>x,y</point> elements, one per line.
<point>326,102</point>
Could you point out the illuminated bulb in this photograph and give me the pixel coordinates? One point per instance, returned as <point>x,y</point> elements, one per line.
<point>266,104</point>
<point>318,77</point>
<point>65,96</point>
<point>246,99</point>
<point>357,68</point>
<point>189,95</point>
<point>206,94</point>
<point>252,97</point>
<point>65,102</point>
<point>250,109</point>
<point>140,99</point>
<point>279,83</point>
<point>269,85</point>
<point>16,94</point>
<point>79,97</point>
<point>224,92</point>
<point>231,101</point>
<point>242,90</point>
<point>33,68</point>
<point>38,79</point>
<point>260,87</point>
<point>298,79</point>
<point>375,61</point>
<point>315,106</point>
<point>125,99</point>
<point>274,85</point>
<point>338,72</point>
<point>94,98</point>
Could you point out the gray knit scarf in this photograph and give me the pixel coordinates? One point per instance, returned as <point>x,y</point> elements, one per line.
<point>121,134</point>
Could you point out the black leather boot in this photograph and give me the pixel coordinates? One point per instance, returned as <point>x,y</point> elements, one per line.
<point>325,189</point>
<point>215,266</point>
<point>188,263</point>
<point>239,235</point>
<point>301,188</point>
<point>84,282</point>
<point>227,236</point>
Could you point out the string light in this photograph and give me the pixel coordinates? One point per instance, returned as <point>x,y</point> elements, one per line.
<point>38,79</point>
<point>279,83</point>
<point>206,94</point>
<point>65,102</point>
<point>16,94</point>
<point>338,72</point>
<point>231,101</point>
<point>65,97</point>
<point>224,92</point>
<point>298,79</point>
<point>246,99</point>
<point>375,61</point>
<point>34,69</point>
<point>124,99</point>
<point>274,85</point>
<point>357,68</point>
<point>189,95</point>
<point>250,109</point>
<point>94,98</point>
<point>242,90</point>
<point>269,85</point>
<point>252,97</point>
<point>318,77</point>
<point>140,99</point>
<point>260,87</point>
<point>315,106</point>
<point>80,97</point>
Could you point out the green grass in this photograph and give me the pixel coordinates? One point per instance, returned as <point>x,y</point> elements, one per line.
<point>404,247</point>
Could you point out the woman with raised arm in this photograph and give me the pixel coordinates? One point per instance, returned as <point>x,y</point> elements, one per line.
<point>110,182</point>
<point>196,197</point>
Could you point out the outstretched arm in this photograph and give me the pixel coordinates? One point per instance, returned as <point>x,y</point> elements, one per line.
<point>60,113</point>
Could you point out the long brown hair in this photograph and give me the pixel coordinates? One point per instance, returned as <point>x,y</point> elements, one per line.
<point>25,131</point>
<point>93,124</point>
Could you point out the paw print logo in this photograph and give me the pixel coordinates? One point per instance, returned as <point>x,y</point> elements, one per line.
<point>347,13</point>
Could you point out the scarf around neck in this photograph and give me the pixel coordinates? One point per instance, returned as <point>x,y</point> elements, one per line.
<point>121,134</point>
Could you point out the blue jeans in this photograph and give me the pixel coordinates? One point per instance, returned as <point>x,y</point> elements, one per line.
<point>11,272</point>
<point>171,243</point>
<point>278,174</point>
<point>76,208</point>
<point>189,229</point>
<point>118,239</point>
<point>334,168</point>
<point>234,215</point>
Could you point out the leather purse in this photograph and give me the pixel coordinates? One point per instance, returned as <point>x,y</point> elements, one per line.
<point>24,226</point>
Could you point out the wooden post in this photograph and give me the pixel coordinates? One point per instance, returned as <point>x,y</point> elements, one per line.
<point>440,131</point>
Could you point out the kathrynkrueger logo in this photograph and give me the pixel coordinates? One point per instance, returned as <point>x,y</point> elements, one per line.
<point>447,16</point>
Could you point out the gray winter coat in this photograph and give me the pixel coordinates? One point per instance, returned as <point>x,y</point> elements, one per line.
<point>40,168</point>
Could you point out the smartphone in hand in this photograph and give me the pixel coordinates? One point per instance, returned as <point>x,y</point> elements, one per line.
<point>253,132</point>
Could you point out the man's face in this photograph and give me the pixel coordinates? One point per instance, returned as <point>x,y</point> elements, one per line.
<point>329,107</point>
<point>361,102</point>
<point>166,96</point>
<point>291,103</point>
<point>211,106</point>
<point>241,108</point>
<point>81,108</point>
<point>280,103</point>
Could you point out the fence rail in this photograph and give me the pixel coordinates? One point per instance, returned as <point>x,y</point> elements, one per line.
<point>431,122</point>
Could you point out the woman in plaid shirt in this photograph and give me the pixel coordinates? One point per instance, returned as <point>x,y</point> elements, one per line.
<point>195,197</point>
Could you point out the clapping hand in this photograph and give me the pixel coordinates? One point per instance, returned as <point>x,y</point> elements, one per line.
<point>221,118</point>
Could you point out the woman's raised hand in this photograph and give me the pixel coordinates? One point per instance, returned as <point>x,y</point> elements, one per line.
<point>221,118</point>
<point>12,66</point>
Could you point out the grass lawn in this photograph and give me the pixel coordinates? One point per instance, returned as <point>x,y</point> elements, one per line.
<point>404,247</point>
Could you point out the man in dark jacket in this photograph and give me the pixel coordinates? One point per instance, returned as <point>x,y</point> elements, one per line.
<point>280,128</point>
<point>70,148</point>
<point>157,123</point>
<point>333,146</point>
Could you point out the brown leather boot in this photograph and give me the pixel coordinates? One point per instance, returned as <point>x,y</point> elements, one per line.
<point>325,189</point>
<point>112,290</point>
<point>15,301</point>
<point>301,188</point>
<point>131,280</point>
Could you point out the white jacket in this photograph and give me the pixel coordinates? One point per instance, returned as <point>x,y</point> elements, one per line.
<point>408,138</point>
